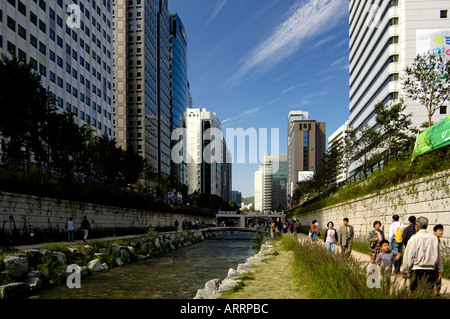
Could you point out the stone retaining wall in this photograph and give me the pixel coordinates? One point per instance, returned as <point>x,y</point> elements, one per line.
<point>27,213</point>
<point>428,196</point>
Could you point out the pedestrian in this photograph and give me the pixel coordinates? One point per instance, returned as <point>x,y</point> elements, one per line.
<point>175,224</point>
<point>346,235</point>
<point>291,228</point>
<point>422,259</point>
<point>409,230</point>
<point>385,259</point>
<point>438,232</point>
<point>396,239</point>
<point>285,227</point>
<point>70,230</point>
<point>85,226</point>
<point>298,228</point>
<point>330,237</point>
<point>376,235</point>
<point>313,231</point>
<point>272,229</point>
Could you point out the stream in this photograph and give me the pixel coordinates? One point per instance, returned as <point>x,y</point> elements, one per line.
<point>174,275</point>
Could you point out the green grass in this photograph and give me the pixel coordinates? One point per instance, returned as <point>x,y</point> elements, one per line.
<point>335,276</point>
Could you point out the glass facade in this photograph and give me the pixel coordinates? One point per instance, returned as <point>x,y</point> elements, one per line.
<point>179,85</point>
<point>142,80</point>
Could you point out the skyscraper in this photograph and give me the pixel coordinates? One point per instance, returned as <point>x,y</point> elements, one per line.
<point>270,183</point>
<point>71,51</point>
<point>208,160</point>
<point>337,139</point>
<point>385,37</point>
<point>306,146</point>
<point>180,98</point>
<point>142,79</point>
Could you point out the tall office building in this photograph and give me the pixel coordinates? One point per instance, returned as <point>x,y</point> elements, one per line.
<point>142,79</point>
<point>336,139</point>
<point>236,197</point>
<point>306,146</point>
<point>74,60</point>
<point>258,189</point>
<point>385,37</point>
<point>180,98</point>
<point>208,160</point>
<point>270,183</point>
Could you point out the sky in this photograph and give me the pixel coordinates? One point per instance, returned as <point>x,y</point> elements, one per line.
<point>253,61</point>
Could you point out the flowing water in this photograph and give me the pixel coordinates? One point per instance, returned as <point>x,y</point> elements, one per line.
<point>174,275</point>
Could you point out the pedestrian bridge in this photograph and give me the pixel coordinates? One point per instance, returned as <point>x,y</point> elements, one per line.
<point>244,220</point>
<point>239,229</point>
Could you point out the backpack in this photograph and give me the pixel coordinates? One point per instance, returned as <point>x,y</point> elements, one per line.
<point>399,235</point>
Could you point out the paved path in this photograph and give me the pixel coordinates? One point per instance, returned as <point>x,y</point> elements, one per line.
<point>80,242</point>
<point>365,258</point>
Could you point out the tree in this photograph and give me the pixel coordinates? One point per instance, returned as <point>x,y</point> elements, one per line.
<point>394,124</point>
<point>362,142</point>
<point>427,81</point>
<point>24,106</point>
<point>66,143</point>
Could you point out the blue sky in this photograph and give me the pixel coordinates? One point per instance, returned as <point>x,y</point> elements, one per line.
<point>254,61</point>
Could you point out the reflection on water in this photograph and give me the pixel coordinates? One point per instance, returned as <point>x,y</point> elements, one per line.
<point>175,275</point>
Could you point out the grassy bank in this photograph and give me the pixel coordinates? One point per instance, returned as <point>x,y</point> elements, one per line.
<point>272,279</point>
<point>308,271</point>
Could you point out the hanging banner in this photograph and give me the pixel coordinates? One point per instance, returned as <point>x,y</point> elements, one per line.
<point>433,138</point>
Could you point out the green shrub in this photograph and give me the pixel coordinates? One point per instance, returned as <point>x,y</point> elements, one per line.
<point>51,271</point>
<point>335,276</point>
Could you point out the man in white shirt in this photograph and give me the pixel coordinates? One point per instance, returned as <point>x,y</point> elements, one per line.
<point>396,246</point>
<point>423,257</point>
<point>70,230</point>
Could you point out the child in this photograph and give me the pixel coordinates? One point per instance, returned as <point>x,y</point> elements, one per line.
<point>438,232</point>
<point>385,259</point>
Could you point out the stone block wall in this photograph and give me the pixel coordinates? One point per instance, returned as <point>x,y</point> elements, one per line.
<point>428,196</point>
<point>25,213</point>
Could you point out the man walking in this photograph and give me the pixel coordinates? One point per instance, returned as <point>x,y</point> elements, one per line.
<point>346,235</point>
<point>395,238</point>
<point>85,226</point>
<point>70,230</point>
<point>422,258</point>
<point>409,230</point>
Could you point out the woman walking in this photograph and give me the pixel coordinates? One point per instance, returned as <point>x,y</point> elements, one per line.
<point>376,235</point>
<point>330,237</point>
<point>313,230</point>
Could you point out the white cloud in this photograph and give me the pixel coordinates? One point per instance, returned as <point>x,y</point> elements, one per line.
<point>309,19</point>
<point>241,116</point>
<point>219,6</point>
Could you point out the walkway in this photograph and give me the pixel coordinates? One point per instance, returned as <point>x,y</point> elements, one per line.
<point>80,242</point>
<point>365,259</point>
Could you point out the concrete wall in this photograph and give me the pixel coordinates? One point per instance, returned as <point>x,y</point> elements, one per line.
<point>46,213</point>
<point>428,196</point>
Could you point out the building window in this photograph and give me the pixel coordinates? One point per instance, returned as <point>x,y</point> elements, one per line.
<point>11,48</point>
<point>33,41</point>
<point>42,26</point>
<point>444,14</point>
<point>11,23</point>
<point>22,8</point>
<point>443,109</point>
<point>21,31</point>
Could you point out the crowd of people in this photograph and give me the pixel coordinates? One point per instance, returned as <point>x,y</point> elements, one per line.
<point>407,249</point>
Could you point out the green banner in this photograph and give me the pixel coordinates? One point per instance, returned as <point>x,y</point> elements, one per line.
<point>433,138</point>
